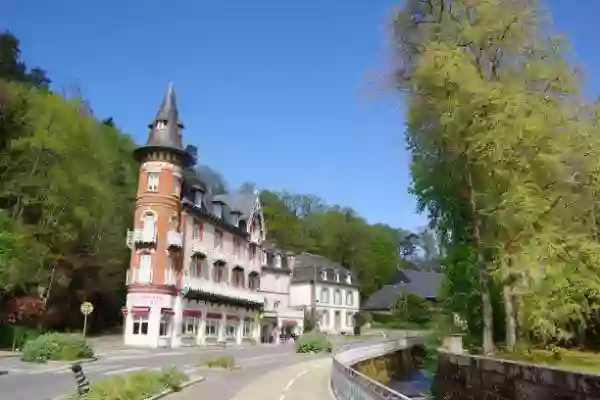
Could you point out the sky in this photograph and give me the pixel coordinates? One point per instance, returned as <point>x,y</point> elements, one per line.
<point>286,94</point>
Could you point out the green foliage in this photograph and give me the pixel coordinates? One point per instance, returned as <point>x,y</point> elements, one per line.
<point>308,321</point>
<point>66,185</point>
<point>225,362</point>
<point>137,385</point>
<point>412,308</point>
<point>12,334</point>
<point>486,83</point>
<point>56,347</point>
<point>313,342</point>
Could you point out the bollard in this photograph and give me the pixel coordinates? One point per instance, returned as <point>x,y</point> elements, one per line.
<point>83,386</point>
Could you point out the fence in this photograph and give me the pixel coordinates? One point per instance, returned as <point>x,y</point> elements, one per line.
<point>349,384</point>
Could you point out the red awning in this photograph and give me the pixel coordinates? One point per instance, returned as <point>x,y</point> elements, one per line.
<point>124,310</point>
<point>140,310</point>
<point>233,317</point>
<point>290,322</point>
<point>168,311</point>
<point>192,313</point>
<point>213,316</point>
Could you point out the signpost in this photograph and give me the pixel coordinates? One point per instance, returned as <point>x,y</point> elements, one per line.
<point>86,309</point>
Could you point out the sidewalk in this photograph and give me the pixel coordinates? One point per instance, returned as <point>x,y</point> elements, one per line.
<point>309,380</point>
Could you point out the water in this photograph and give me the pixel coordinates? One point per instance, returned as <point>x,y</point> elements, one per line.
<point>414,385</point>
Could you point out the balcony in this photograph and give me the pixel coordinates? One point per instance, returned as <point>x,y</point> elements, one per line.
<point>221,289</point>
<point>135,276</point>
<point>174,240</point>
<point>197,248</point>
<point>141,236</point>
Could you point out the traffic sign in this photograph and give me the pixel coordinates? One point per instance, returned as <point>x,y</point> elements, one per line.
<point>86,308</point>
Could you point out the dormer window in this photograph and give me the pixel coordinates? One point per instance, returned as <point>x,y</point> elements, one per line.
<point>218,210</point>
<point>160,124</point>
<point>349,279</point>
<point>337,276</point>
<point>198,198</point>
<point>235,217</point>
<point>324,275</point>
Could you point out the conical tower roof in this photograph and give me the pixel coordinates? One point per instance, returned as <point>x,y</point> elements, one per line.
<point>165,130</point>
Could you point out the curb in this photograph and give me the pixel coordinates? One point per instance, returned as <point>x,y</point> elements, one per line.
<point>10,355</point>
<point>167,392</point>
<point>82,361</point>
<point>205,368</point>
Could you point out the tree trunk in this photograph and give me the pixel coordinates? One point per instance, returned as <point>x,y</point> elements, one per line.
<point>484,275</point>
<point>509,311</point>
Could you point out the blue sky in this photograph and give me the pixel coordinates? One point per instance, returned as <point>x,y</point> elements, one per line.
<point>284,94</point>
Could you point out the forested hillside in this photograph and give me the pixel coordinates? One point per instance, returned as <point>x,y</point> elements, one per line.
<point>67,183</point>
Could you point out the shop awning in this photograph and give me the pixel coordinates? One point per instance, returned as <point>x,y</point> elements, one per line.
<point>233,317</point>
<point>290,322</point>
<point>213,316</point>
<point>192,313</point>
<point>140,310</point>
<point>124,310</point>
<point>168,311</point>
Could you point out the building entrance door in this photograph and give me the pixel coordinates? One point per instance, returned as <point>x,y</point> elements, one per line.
<point>337,321</point>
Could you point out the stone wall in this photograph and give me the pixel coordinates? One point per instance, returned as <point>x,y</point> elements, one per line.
<point>468,377</point>
<point>391,366</point>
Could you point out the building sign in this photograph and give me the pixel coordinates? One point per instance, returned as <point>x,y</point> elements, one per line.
<point>149,300</point>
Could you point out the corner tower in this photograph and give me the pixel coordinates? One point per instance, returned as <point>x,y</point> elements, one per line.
<point>156,238</point>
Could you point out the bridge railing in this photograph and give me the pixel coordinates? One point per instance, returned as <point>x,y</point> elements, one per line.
<point>349,384</point>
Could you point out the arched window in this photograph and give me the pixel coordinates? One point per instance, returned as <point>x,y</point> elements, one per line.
<point>149,224</point>
<point>173,223</point>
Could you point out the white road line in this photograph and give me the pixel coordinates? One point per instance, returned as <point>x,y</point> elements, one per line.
<point>291,382</point>
<point>121,371</point>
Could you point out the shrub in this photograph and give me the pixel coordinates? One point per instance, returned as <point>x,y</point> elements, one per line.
<point>56,346</point>
<point>313,342</point>
<point>225,362</point>
<point>137,385</point>
<point>412,308</point>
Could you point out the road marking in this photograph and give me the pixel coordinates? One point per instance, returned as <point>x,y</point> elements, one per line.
<point>92,368</point>
<point>121,371</point>
<point>293,380</point>
<point>146,355</point>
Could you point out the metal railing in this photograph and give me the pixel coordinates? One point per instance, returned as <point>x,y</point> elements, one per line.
<point>349,384</point>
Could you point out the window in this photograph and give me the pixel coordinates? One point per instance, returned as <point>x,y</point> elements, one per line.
<point>349,298</point>
<point>169,272</point>
<point>349,319</point>
<point>195,268</point>
<point>196,230</point>
<point>176,185</point>
<point>148,227</point>
<point>218,239</point>
<point>164,329</point>
<point>325,319</point>
<point>140,325</point>
<point>236,246</point>
<point>160,124</point>
<point>277,303</point>
<point>324,275</point>
<point>324,295</point>
<point>247,332</point>
<point>231,329</point>
<point>337,297</point>
<point>212,327</point>
<point>190,326</point>
<point>198,198</point>
<point>218,273</point>
<point>252,251</point>
<point>145,269</point>
<point>152,182</point>
<point>173,222</point>
<point>349,279</point>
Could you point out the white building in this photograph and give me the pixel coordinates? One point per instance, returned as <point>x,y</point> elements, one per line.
<point>200,272</point>
<point>279,316</point>
<point>329,287</point>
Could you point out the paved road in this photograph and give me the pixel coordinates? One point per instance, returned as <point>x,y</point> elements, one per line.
<point>44,382</point>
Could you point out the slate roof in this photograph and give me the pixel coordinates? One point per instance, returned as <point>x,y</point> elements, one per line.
<point>307,266</point>
<point>421,283</point>
<point>169,137</point>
